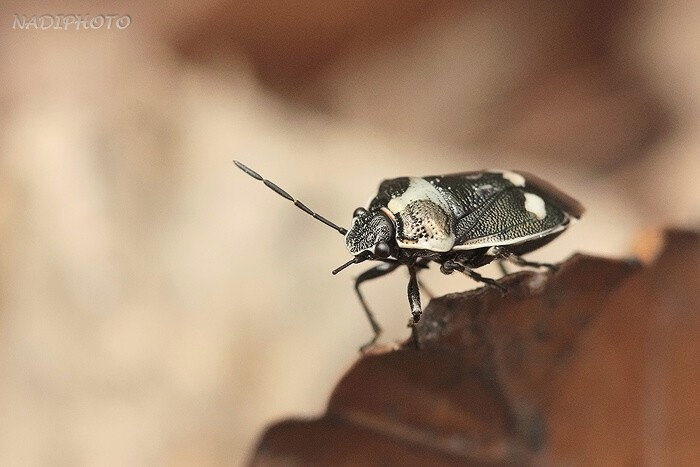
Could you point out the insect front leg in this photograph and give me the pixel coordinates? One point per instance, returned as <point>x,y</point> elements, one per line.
<point>373,273</point>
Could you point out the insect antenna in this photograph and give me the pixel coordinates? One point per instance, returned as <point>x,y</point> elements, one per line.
<point>286,195</point>
<point>355,260</point>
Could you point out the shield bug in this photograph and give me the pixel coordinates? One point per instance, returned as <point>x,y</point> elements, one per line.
<point>461,222</point>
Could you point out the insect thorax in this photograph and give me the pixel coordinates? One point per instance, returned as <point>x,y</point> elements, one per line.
<point>422,216</point>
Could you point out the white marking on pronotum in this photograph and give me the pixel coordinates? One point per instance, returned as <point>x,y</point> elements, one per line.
<point>420,189</point>
<point>514,178</point>
<point>535,205</point>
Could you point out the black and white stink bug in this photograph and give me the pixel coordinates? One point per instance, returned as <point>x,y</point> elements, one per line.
<point>461,222</point>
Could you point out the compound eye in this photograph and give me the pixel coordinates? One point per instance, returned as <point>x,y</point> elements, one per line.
<point>358,212</point>
<point>382,250</point>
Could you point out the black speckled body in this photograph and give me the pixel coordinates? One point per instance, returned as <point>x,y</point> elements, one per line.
<point>469,211</point>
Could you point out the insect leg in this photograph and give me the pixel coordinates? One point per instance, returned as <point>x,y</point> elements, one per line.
<point>501,266</point>
<point>414,295</point>
<point>423,263</point>
<point>515,259</point>
<point>486,280</point>
<point>373,273</point>
<point>455,265</point>
<point>414,301</point>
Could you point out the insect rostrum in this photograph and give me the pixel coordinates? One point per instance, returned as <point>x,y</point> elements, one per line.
<point>461,222</point>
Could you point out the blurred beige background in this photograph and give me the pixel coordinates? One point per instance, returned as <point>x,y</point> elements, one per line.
<point>158,307</point>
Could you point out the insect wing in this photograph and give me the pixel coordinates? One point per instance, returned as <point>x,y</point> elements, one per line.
<point>505,208</point>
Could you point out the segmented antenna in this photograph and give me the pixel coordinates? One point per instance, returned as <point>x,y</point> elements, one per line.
<point>286,195</point>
